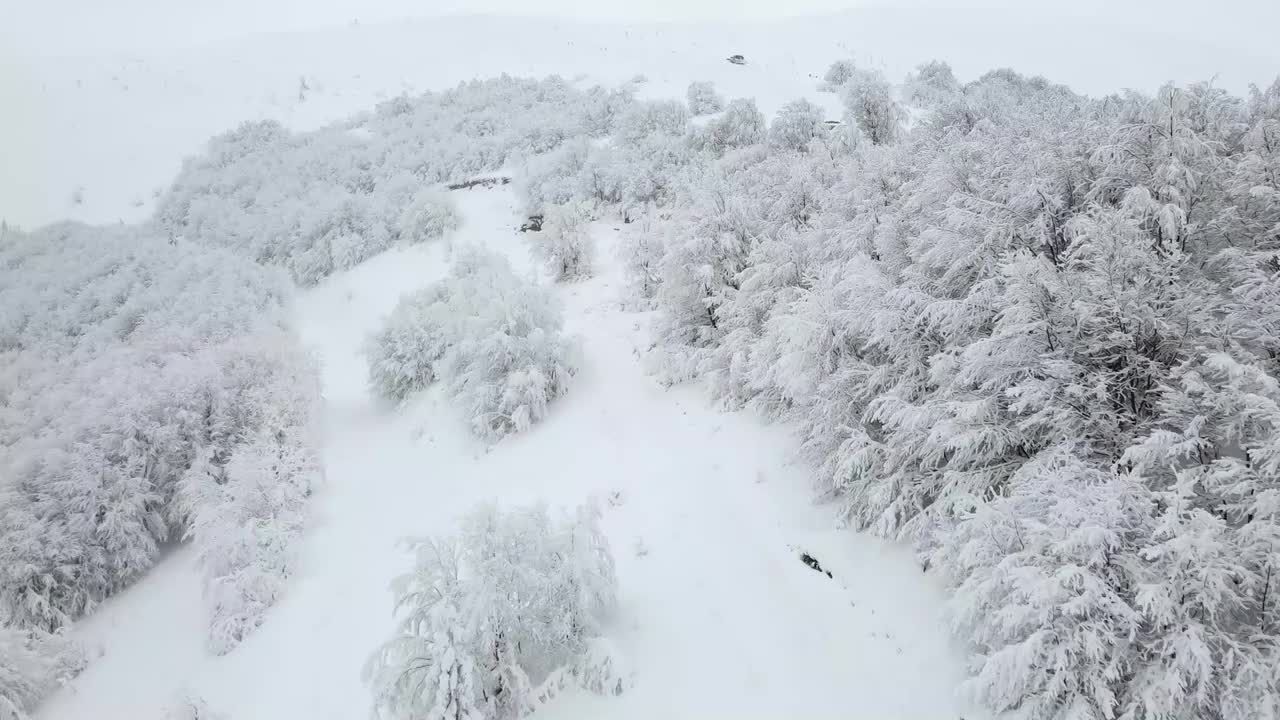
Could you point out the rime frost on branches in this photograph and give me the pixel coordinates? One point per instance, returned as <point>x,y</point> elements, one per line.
<point>495,620</point>
<point>798,123</point>
<point>703,98</point>
<point>431,215</point>
<point>322,201</point>
<point>838,73</point>
<point>641,251</point>
<point>936,306</point>
<point>32,664</point>
<point>495,339</point>
<point>565,244</point>
<point>137,371</point>
<point>740,125</point>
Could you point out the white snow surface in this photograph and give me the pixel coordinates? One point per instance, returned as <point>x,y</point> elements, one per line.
<point>717,615</point>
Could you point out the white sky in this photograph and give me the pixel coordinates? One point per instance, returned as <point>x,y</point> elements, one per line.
<point>56,27</point>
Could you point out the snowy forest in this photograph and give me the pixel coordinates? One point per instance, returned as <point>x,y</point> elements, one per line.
<point>1031,334</point>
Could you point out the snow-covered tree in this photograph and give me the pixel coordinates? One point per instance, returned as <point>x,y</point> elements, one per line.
<point>641,252</point>
<point>703,98</point>
<point>431,215</point>
<point>510,357</point>
<point>870,107</point>
<point>740,125</point>
<point>32,664</point>
<point>249,522</point>
<point>494,338</point>
<point>931,85</point>
<point>837,74</point>
<point>492,620</point>
<point>405,352</point>
<point>796,125</point>
<point>555,177</point>
<point>565,244</point>
<point>650,118</point>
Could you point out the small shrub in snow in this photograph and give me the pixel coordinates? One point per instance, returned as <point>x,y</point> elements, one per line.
<point>565,243</point>
<point>493,337</point>
<point>431,215</point>
<point>703,98</point>
<point>32,664</point>
<point>499,617</point>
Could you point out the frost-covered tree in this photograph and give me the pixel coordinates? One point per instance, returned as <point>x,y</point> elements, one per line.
<point>932,85</point>
<point>494,619</point>
<point>510,358</point>
<point>555,177</point>
<point>404,354</point>
<point>251,520</point>
<point>650,118</point>
<point>494,338</point>
<point>703,98</point>
<point>134,361</point>
<point>870,107</point>
<point>796,125</point>
<point>431,215</point>
<point>565,244</point>
<point>740,125</point>
<point>641,252</point>
<point>32,664</point>
<point>838,73</point>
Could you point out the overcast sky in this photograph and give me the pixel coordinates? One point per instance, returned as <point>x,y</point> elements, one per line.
<point>89,26</point>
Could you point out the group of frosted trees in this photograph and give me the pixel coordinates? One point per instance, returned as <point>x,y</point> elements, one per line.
<point>152,392</point>
<point>498,618</point>
<point>322,201</point>
<point>494,339</point>
<point>1032,332</point>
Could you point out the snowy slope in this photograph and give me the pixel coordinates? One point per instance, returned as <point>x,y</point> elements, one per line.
<point>718,616</point>
<point>116,126</point>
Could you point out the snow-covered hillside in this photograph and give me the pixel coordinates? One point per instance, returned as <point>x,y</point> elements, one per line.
<point>707,516</point>
<point>94,137</point>
<point>1029,331</point>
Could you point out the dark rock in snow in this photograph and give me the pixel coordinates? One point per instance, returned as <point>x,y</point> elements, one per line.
<point>534,224</point>
<point>813,563</point>
<point>737,60</point>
